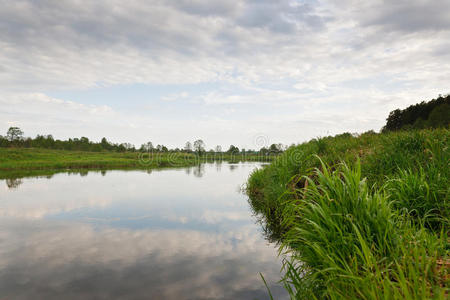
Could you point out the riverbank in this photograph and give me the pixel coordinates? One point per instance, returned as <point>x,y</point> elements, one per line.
<point>46,161</point>
<point>361,217</point>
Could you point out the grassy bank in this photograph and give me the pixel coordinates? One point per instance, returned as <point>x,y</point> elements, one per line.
<point>14,161</point>
<point>360,217</point>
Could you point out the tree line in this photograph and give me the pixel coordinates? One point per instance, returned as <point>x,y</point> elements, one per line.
<point>15,138</point>
<point>432,114</point>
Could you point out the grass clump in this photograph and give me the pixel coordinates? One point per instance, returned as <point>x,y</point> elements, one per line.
<point>367,220</point>
<point>350,243</point>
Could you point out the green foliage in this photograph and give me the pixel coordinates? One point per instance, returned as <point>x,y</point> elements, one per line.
<point>368,220</point>
<point>15,139</point>
<point>14,134</point>
<point>432,114</point>
<point>422,195</point>
<point>233,149</point>
<point>353,245</point>
<point>439,116</point>
<point>199,147</point>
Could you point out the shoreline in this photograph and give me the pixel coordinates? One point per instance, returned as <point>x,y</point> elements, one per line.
<point>346,208</point>
<point>16,161</point>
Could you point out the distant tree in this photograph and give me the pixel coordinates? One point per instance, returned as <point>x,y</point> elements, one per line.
<point>161,148</point>
<point>420,124</point>
<point>147,146</point>
<point>233,149</point>
<point>27,142</point>
<point>264,151</point>
<point>96,148</point>
<point>105,144</point>
<point>439,116</point>
<point>83,144</point>
<point>4,141</point>
<point>121,148</point>
<point>14,134</point>
<point>394,120</point>
<point>15,137</point>
<point>188,147</point>
<point>434,113</point>
<point>199,146</point>
<point>126,147</point>
<point>276,148</point>
<point>369,132</point>
<point>49,141</point>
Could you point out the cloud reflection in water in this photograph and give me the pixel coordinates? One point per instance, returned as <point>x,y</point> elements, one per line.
<point>58,247</point>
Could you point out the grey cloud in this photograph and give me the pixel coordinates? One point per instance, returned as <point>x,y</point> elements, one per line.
<point>148,26</point>
<point>73,261</point>
<point>442,50</point>
<point>145,25</point>
<point>51,45</point>
<point>72,43</point>
<point>410,16</point>
<point>217,8</point>
<point>280,16</point>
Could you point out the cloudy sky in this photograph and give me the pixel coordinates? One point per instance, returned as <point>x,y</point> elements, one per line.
<point>169,71</point>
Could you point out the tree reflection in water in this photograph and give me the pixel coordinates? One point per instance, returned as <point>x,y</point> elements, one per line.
<point>199,170</point>
<point>233,167</point>
<point>13,183</point>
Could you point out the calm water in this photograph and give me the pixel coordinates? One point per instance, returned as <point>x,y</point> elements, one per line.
<point>171,234</point>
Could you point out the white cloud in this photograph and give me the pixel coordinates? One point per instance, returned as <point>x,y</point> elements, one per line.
<point>174,97</point>
<point>267,53</point>
<point>47,258</point>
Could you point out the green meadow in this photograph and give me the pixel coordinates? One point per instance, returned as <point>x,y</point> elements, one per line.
<point>16,162</point>
<point>360,217</point>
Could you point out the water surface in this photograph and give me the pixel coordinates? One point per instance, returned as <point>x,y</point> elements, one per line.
<point>169,234</point>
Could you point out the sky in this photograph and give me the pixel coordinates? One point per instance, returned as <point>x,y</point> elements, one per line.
<point>243,72</point>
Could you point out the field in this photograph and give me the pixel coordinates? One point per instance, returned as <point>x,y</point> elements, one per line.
<point>28,161</point>
<point>360,217</point>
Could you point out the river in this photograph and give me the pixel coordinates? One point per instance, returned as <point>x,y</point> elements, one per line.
<point>185,233</point>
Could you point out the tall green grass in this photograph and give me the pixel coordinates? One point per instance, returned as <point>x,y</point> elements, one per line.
<point>367,220</point>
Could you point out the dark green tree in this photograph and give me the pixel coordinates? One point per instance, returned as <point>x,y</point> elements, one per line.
<point>434,113</point>
<point>233,149</point>
<point>14,134</point>
<point>188,147</point>
<point>439,116</point>
<point>199,147</point>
